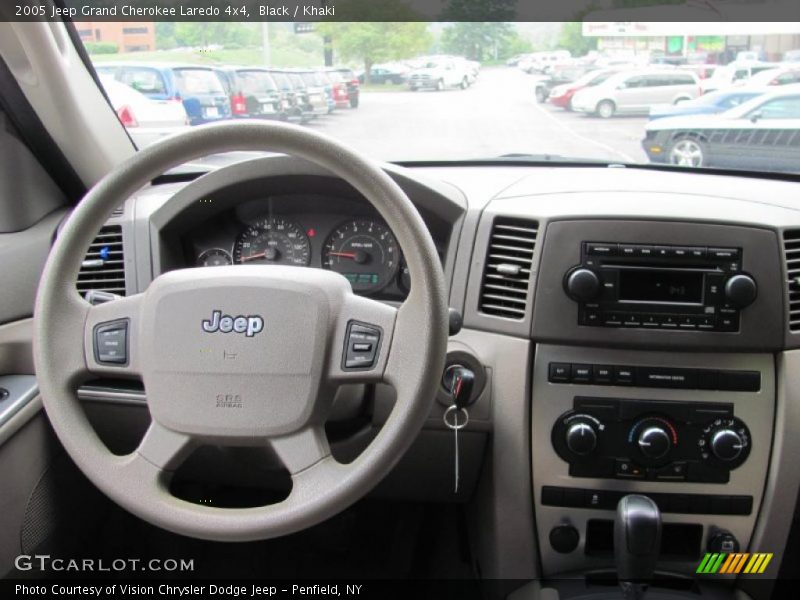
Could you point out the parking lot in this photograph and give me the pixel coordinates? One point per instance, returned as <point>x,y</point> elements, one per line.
<point>498,115</point>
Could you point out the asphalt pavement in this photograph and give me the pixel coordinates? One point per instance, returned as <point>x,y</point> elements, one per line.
<point>498,115</point>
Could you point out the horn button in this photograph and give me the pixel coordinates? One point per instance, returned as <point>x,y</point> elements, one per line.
<point>238,352</point>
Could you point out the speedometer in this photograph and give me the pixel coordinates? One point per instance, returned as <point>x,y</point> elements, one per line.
<point>365,252</point>
<point>273,241</point>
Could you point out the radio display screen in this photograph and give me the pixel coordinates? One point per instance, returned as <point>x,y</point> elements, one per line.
<point>683,287</point>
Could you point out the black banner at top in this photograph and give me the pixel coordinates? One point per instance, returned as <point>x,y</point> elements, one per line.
<point>402,10</point>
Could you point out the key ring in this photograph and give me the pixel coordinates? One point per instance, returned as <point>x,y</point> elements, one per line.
<point>456,425</point>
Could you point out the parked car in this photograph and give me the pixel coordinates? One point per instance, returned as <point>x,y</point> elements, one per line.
<point>556,78</point>
<point>439,75</point>
<point>341,94</point>
<point>791,56</point>
<point>353,87</point>
<point>312,91</point>
<point>634,92</point>
<point>539,61</point>
<point>199,88</point>
<point>707,104</point>
<point>384,74</point>
<point>733,74</point>
<point>761,133</point>
<point>561,95</point>
<point>147,121</point>
<point>293,103</point>
<point>318,80</point>
<point>784,75</point>
<point>253,93</point>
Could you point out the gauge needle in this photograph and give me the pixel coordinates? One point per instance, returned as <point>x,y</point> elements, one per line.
<point>254,256</point>
<point>344,254</point>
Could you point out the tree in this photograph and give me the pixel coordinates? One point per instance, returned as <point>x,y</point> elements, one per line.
<point>571,38</point>
<point>200,34</point>
<point>477,41</point>
<point>371,43</point>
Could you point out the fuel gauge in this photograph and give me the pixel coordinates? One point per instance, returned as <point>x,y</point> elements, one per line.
<point>214,257</point>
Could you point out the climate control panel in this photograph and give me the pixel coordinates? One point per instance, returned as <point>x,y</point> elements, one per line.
<point>653,440</point>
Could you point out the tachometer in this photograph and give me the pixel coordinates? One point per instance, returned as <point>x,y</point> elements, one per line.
<point>273,241</point>
<point>365,252</point>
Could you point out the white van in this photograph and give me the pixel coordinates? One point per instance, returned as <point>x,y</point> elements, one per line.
<point>634,92</point>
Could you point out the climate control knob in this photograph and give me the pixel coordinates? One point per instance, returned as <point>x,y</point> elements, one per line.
<point>581,438</point>
<point>582,285</point>
<point>654,442</point>
<point>727,445</point>
<point>741,290</point>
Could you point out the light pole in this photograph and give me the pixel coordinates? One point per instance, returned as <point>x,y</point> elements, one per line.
<point>265,43</point>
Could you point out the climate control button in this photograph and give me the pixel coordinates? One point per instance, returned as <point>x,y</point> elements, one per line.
<point>654,442</point>
<point>726,444</point>
<point>581,438</point>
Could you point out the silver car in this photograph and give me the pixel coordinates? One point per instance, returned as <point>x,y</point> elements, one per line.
<point>634,92</point>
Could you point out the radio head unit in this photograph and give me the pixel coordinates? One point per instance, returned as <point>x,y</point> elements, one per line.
<point>660,286</point>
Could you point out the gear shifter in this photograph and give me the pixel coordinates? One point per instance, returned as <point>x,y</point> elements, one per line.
<point>637,538</point>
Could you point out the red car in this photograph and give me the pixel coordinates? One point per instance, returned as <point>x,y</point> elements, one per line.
<point>561,95</point>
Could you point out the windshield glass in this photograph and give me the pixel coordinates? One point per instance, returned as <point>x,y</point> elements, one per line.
<point>415,91</point>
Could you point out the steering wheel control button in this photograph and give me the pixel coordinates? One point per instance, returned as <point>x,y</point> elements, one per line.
<point>111,342</point>
<point>361,346</point>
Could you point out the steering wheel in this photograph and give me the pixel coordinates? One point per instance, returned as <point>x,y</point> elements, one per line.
<point>290,330</point>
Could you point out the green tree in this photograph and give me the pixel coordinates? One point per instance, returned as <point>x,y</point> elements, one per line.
<point>165,35</point>
<point>478,41</point>
<point>375,42</point>
<point>571,38</point>
<point>235,33</point>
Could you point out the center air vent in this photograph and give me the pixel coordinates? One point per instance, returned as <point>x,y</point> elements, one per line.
<point>791,245</point>
<point>507,274</point>
<point>104,266</point>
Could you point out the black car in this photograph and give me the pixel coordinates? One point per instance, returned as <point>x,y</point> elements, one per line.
<point>296,107</point>
<point>558,76</point>
<point>353,87</point>
<point>763,133</point>
<point>380,75</point>
<point>253,93</point>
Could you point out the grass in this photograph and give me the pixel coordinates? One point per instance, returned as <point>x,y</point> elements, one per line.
<point>279,57</point>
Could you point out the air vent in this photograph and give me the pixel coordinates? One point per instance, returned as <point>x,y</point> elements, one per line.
<point>119,211</point>
<point>509,261</point>
<point>791,245</point>
<point>104,266</point>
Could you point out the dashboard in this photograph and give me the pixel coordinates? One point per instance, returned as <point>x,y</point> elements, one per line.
<point>631,331</point>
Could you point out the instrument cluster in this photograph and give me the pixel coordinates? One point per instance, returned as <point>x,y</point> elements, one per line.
<point>361,247</point>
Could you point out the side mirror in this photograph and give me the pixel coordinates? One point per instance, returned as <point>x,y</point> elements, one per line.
<point>755,116</point>
<point>622,86</point>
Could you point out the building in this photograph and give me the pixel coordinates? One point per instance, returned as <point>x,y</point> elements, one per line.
<point>129,36</point>
<point>716,42</point>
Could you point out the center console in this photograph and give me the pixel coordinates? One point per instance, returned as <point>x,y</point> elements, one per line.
<point>653,375</point>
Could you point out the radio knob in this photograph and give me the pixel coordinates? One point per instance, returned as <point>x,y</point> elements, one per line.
<point>582,284</point>
<point>654,442</point>
<point>741,290</point>
<point>726,445</point>
<point>581,438</point>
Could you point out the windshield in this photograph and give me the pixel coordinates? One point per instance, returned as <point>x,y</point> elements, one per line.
<point>450,91</point>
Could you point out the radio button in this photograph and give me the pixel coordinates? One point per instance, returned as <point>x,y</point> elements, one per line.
<point>603,373</point>
<point>662,251</point>
<point>705,322</point>
<point>728,323</point>
<point>591,317</point>
<point>680,252</point>
<point>632,320</point>
<point>669,321</point>
<point>560,372</point>
<point>581,373</point>
<point>644,251</point>
<point>687,322</point>
<point>650,321</point>
<point>724,253</point>
<point>627,250</point>
<point>623,375</point>
<point>698,252</point>
<point>612,319</point>
<point>598,249</point>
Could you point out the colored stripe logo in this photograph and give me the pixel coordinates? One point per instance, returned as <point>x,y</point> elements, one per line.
<point>734,563</point>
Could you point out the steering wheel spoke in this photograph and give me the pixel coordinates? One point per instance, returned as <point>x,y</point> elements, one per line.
<point>111,335</point>
<point>303,449</point>
<point>164,448</point>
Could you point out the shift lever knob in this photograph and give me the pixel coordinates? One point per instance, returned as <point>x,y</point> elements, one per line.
<point>637,539</point>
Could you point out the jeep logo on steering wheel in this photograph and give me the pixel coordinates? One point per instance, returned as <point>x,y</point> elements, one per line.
<point>249,325</point>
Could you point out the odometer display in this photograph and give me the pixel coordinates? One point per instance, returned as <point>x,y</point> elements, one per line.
<point>365,252</point>
<point>273,241</point>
